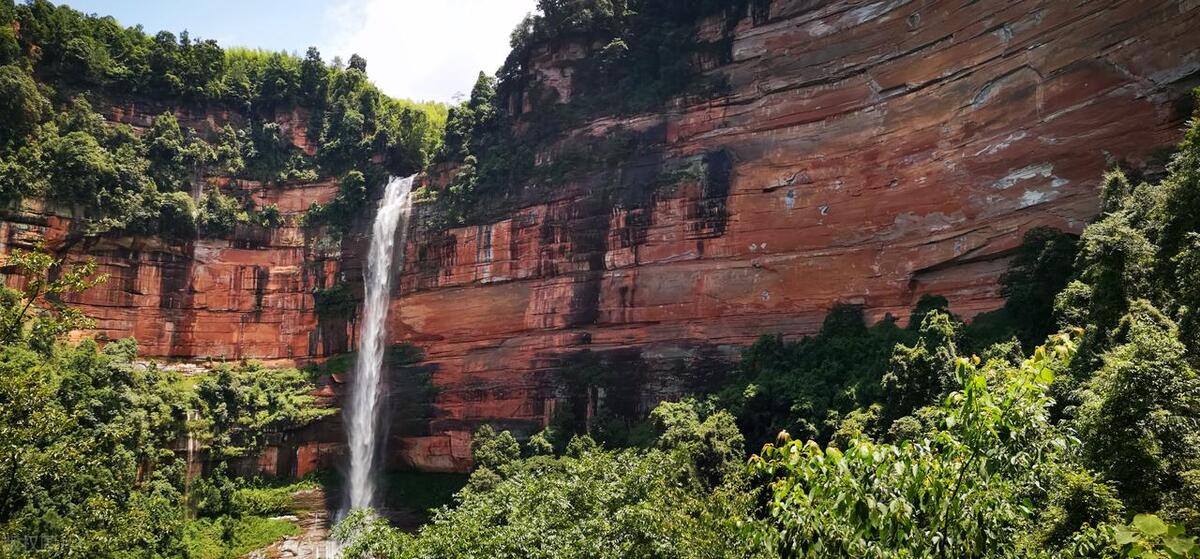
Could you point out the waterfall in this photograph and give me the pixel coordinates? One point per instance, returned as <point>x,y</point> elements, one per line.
<point>362,419</point>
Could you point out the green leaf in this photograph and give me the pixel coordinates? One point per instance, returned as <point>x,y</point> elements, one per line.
<point>1150,525</point>
<point>1181,546</point>
<point>1125,536</point>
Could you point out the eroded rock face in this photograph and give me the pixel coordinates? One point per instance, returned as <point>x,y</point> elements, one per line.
<point>248,297</point>
<point>867,153</point>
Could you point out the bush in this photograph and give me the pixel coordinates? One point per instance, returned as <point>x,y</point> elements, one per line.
<point>229,538</point>
<point>22,105</point>
<point>177,217</point>
<point>957,493</point>
<point>259,502</point>
<point>266,500</point>
<point>219,214</point>
<point>268,216</point>
<point>239,406</point>
<point>589,503</point>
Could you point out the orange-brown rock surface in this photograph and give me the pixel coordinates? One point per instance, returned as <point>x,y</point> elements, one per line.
<point>868,152</point>
<point>250,296</point>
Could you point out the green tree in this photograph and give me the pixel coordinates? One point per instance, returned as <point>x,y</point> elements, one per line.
<point>177,160</point>
<point>493,450</point>
<point>922,373</point>
<point>1115,191</point>
<point>351,121</point>
<point>957,492</point>
<point>1180,211</point>
<point>22,105</point>
<point>314,78</point>
<point>1138,419</point>
<point>591,503</point>
<point>357,63</point>
<point>36,314</point>
<point>808,387</point>
<point>78,423</point>
<point>1116,260</point>
<point>10,47</point>
<point>1040,270</point>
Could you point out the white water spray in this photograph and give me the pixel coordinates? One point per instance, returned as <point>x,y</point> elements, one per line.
<point>362,419</point>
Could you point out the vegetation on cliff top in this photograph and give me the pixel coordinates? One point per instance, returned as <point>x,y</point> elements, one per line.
<point>638,53</point>
<point>57,65</point>
<point>634,56</point>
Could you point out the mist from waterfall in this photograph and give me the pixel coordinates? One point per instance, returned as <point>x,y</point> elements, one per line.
<point>366,400</point>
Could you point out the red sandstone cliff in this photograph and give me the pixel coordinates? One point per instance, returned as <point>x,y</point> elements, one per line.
<point>240,298</point>
<point>874,152</point>
<point>248,296</point>
<point>869,152</point>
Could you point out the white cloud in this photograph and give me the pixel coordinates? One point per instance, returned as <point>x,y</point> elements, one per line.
<point>425,49</point>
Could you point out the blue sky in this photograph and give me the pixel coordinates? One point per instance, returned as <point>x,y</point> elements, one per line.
<point>418,49</point>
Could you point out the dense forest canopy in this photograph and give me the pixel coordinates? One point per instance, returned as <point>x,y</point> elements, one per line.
<point>59,66</point>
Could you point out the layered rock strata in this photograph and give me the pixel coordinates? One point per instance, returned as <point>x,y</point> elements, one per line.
<point>868,152</point>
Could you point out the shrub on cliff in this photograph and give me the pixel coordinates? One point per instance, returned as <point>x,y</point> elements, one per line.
<point>219,214</point>
<point>339,213</point>
<point>240,405</point>
<point>22,104</point>
<point>177,216</point>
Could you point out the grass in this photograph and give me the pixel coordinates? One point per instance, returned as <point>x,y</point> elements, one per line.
<point>250,526</point>
<point>228,538</point>
<point>268,499</point>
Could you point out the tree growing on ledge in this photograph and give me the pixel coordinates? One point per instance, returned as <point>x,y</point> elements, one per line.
<point>35,315</point>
